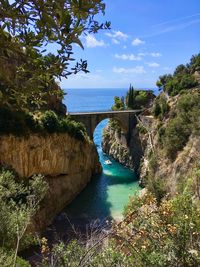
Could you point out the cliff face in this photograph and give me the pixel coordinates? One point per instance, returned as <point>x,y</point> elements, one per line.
<point>156,164</point>
<point>67,164</point>
<point>114,143</point>
<point>148,146</point>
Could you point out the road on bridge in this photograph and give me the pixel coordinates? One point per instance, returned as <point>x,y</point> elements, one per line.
<point>105,112</point>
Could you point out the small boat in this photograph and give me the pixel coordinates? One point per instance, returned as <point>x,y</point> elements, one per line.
<point>108,162</point>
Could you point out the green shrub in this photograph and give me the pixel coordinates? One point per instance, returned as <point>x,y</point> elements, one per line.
<point>156,187</point>
<point>156,109</point>
<point>183,123</point>
<point>176,136</point>
<point>16,209</point>
<point>161,107</point>
<point>141,129</point>
<point>32,124</point>
<point>160,234</point>
<point>21,123</point>
<point>50,121</point>
<point>73,128</point>
<point>182,78</point>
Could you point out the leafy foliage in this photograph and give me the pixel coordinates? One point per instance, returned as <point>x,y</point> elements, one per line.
<point>182,78</point>
<point>21,123</point>
<point>27,72</point>
<point>183,123</point>
<point>118,103</point>
<point>151,234</point>
<point>161,107</point>
<point>19,201</point>
<point>136,98</point>
<point>161,235</point>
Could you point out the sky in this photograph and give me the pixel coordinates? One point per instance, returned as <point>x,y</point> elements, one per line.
<point>148,38</point>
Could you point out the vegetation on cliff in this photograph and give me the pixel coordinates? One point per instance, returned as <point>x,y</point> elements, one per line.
<point>137,99</point>
<point>19,201</point>
<point>23,123</point>
<point>182,78</point>
<point>134,99</point>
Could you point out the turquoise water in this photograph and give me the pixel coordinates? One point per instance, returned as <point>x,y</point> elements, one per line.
<point>107,193</point>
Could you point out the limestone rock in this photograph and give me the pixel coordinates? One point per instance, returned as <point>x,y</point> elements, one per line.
<point>66,163</point>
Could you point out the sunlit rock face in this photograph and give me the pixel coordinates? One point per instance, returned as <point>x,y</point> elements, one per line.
<point>114,143</point>
<point>67,164</point>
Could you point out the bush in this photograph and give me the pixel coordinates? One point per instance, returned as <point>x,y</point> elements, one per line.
<point>19,202</point>
<point>161,107</point>
<point>22,123</point>
<point>73,128</point>
<point>50,122</point>
<point>156,187</point>
<point>182,79</point>
<point>165,234</point>
<point>176,136</point>
<point>183,123</point>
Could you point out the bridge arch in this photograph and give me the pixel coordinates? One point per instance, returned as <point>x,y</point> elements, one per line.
<point>126,118</point>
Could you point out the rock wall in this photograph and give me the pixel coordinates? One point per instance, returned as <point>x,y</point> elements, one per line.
<point>156,165</point>
<point>171,173</point>
<point>67,164</point>
<point>114,143</point>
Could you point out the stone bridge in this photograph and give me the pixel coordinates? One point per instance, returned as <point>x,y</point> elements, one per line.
<point>126,119</point>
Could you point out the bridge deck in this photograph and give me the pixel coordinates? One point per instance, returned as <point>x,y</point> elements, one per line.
<point>104,112</point>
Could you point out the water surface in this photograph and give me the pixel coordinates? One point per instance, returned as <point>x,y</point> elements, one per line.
<point>107,194</point>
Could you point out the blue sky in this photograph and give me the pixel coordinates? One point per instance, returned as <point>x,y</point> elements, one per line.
<point>148,38</point>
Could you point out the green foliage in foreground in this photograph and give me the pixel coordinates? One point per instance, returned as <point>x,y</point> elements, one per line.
<point>22,123</point>
<point>184,122</point>
<point>182,78</point>
<point>165,234</point>
<point>19,201</point>
<point>27,72</point>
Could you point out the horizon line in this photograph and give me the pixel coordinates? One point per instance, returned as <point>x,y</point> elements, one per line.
<point>108,88</point>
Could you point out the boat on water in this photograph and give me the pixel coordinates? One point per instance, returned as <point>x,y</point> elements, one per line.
<point>108,162</point>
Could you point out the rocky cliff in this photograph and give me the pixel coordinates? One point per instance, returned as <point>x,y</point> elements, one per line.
<point>164,149</point>
<point>126,150</point>
<point>172,148</point>
<point>66,163</point>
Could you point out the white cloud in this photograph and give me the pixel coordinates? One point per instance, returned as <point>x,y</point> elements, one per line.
<point>91,41</point>
<point>131,57</point>
<point>153,65</point>
<point>137,70</point>
<point>137,42</point>
<point>115,41</point>
<point>155,54</point>
<point>117,35</point>
<point>141,54</point>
